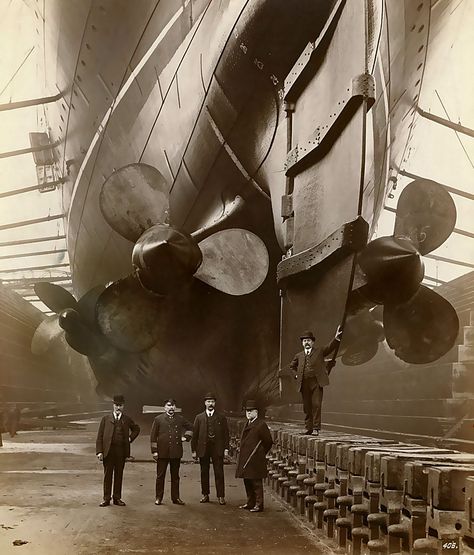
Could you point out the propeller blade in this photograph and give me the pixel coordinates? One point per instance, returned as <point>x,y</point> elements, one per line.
<point>360,352</point>
<point>87,303</point>
<point>422,329</point>
<point>165,259</point>
<point>393,268</point>
<point>134,198</point>
<point>235,261</point>
<point>45,334</point>
<point>426,214</point>
<point>54,296</point>
<point>129,316</point>
<point>79,336</point>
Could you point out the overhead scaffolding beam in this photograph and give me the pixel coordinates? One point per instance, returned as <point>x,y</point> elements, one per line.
<point>28,103</point>
<point>31,222</point>
<point>446,123</point>
<point>29,150</point>
<point>14,192</point>
<point>449,260</point>
<point>435,279</point>
<point>26,254</point>
<point>447,187</point>
<point>455,230</point>
<point>25,282</point>
<point>13,270</point>
<point>32,240</point>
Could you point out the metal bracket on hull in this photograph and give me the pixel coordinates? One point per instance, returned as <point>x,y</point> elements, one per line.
<point>362,86</point>
<point>350,237</point>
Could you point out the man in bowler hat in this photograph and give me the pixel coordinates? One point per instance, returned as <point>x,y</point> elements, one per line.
<point>255,442</point>
<point>168,432</point>
<point>116,433</point>
<point>310,371</point>
<point>211,441</point>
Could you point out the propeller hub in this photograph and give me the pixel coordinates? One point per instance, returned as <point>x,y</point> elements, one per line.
<point>393,268</point>
<point>165,258</point>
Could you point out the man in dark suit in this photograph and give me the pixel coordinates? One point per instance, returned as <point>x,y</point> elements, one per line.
<point>116,432</point>
<point>211,441</point>
<point>310,371</point>
<point>167,433</point>
<point>255,442</point>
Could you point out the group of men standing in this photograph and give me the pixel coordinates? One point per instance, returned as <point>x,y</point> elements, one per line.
<point>209,438</point>
<point>209,435</point>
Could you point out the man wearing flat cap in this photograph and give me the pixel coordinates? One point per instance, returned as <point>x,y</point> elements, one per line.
<point>168,432</point>
<point>310,371</point>
<point>211,441</point>
<point>255,442</point>
<point>116,433</point>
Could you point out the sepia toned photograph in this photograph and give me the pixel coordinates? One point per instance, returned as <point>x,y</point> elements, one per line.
<point>236,277</point>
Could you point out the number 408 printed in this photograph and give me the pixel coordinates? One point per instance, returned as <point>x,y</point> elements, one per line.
<point>450,546</point>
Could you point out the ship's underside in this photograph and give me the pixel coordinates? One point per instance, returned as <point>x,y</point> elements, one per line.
<point>201,98</point>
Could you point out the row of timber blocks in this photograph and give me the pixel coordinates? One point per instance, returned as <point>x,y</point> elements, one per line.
<point>375,496</point>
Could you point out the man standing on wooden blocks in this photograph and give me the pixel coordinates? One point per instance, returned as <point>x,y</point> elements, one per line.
<point>310,371</point>
<point>116,433</point>
<point>211,441</point>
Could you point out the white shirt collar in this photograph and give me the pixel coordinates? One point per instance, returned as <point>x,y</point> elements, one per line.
<point>253,420</point>
<point>210,412</point>
<point>308,351</point>
<point>117,415</point>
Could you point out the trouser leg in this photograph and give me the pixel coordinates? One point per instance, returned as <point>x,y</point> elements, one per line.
<point>205,463</point>
<point>161,466</point>
<point>317,405</point>
<point>250,491</point>
<point>307,393</point>
<point>118,471</point>
<point>258,489</point>
<point>218,465</point>
<point>108,462</point>
<point>174,469</point>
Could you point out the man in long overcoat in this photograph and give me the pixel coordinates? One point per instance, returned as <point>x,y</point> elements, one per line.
<point>167,433</point>
<point>116,433</point>
<point>211,441</point>
<point>255,442</point>
<point>310,371</point>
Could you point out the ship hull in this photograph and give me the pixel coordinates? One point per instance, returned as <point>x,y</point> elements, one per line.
<point>201,98</point>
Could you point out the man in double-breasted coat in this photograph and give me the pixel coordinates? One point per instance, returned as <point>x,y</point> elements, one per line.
<point>310,371</point>
<point>116,432</point>
<point>255,442</point>
<point>167,433</point>
<point>211,441</point>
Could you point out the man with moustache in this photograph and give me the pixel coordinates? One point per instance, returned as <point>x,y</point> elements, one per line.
<point>255,442</point>
<point>311,372</point>
<point>167,433</point>
<point>211,441</point>
<point>116,433</point>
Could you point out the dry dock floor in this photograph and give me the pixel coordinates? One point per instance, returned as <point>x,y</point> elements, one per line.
<point>51,486</point>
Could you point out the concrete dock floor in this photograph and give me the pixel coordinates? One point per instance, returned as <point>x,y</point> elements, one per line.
<point>51,486</point>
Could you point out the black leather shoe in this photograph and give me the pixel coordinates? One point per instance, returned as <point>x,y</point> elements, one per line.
<point>204,499</point>
<point>119,502</point>
<point>105,503</point>
<point>256,509</point>
<point>158,501</point>
<point>221,500</point>
<point>316,432</point>
<point>178,502</point>
<point>306,433</point>
<point>247,507</point>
